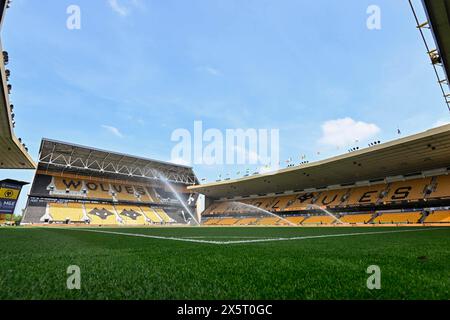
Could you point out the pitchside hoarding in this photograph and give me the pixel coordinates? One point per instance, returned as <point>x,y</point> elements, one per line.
<point>9,193</point>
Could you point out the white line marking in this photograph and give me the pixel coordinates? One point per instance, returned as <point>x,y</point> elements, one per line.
<point>222,237</point>
<point>254,240</point>
<point>146,236</point>
<point>328,236</point>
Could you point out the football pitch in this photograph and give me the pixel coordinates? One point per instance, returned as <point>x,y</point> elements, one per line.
<point>225,262</point>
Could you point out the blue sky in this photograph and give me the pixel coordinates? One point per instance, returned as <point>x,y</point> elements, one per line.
<point>139,69</point>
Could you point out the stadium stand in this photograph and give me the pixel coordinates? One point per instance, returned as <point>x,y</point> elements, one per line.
<point>87,187</point>
<point>280,203</point>
<point>163,215</point>
<point>357,218</point>
<point>152,215</point>
<point>226,221</point>
<point>319,220</point>
<point>100,190</point>
<point>246,221</point>
<point>397,182</point>
<point>295,220</point>
<point>94,191</point>
<point>66,212</point>
<point>123,192</point>
<point>412,190</point>
<point>66,185</point>
<point>400,217</point>
<point>101,214</point>
<point>211,221</point>
<point>301,202</point>
<point>366,195</point>
<point>386,193</point>
<point>268,221</point>
<point>332,198</point>
<point>441,188</point>
<point>131,215</point>
<point>438,216</point>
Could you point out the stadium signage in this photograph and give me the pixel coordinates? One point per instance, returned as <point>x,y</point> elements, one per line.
<point>9,193</point>
<point>72,184</point>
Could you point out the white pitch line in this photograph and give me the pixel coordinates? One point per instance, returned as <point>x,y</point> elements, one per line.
<point>221,237</point>
<point>327,236</point>
<point>254,240</point>
<point>146,236</point>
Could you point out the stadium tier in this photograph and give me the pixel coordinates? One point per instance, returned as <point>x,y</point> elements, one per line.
<point>406,181</point>
<point>100,189</point>
<point>81,185</point>
<point>376,218</point>
<point>438,216</point>
<point>419,193</point>
<point>410,191</point>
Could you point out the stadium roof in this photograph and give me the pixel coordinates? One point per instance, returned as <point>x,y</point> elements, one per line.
<point>13,154</point>
<point>67,157</point>
<point>438,12</point>
<point>429,150</point>
<point>12,181</point>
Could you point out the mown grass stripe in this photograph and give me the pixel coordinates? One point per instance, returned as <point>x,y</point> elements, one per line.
<point>252,240</point>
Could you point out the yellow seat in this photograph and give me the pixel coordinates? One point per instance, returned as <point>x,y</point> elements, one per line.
<point>144,195</point>
<point>438,216</point>
<point>131,215</point>
<point>66,211</point>
<point>442,187</point>
<point>268,221</point>
<point>211,221</point>
<point>124,192</point>
<point>246,221</point>
<point>296,220</point>
<point>365,195</point>
<point>400,217</point>
<point>97,189</point>
<point>164,216</point>
<point>280,203</point>
<point>101,214</point>
<point>407,190</point>
<point>331,198</point>
<point>318,220</point>
<point>62,184</point>
<point>356,218</point>
<point>301,201</point>
<point>226,221</point>
<point>151,214</point>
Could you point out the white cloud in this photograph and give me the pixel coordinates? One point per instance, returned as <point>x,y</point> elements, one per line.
<point>180,161</point>
<point>113,130</point>
<point>440,122</point>
<point>210,70</point>
<point>117,7</point>
<point>346,131</point>
<point>124,7</point>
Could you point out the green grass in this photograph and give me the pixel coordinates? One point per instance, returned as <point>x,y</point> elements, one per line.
<point>414,265</point>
